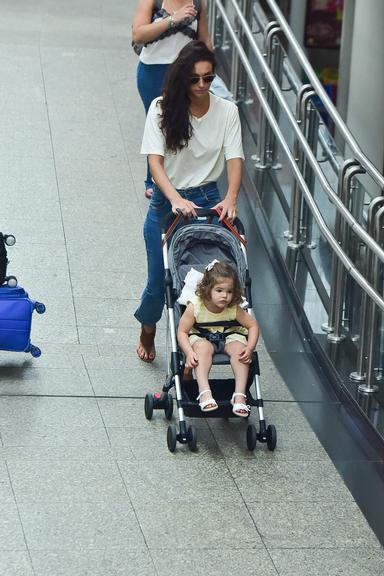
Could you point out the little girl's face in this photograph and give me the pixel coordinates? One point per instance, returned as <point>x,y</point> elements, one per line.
<point>222,293</point>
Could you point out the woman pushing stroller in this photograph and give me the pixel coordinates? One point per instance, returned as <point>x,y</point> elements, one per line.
<point>189,136</point>
<point>218,298</point>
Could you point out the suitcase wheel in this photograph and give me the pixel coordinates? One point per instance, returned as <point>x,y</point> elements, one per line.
<point>40,307</point>
<point>35,351</point>
<point>9,239</point>
<point>11,281</point>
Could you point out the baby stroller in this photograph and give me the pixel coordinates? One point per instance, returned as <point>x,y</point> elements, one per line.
<point>194,245</point>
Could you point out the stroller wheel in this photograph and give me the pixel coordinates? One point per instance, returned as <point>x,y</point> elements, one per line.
<point>171,438</point>
<point>192,438</point>
<point>271,437</point>
<point>168,410</point>
<point>251,437</point>
<point>148,406</point>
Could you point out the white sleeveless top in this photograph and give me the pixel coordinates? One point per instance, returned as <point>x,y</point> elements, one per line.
<point>166,50</point>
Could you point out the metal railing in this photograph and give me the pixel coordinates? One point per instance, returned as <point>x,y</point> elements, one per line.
<point>328,104</point>
<point>262,63</point>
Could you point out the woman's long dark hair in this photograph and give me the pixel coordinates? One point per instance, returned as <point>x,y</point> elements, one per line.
<point>175,118</point>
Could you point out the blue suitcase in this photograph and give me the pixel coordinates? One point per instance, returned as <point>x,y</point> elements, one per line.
<point>16,309</point>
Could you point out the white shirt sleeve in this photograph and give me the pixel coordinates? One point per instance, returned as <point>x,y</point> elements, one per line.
<point>153,139</point>
<point>233,147</point>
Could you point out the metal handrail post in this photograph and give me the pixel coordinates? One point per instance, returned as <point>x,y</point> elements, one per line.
<point>262,155</point>
<point>330,324</point>
<point>369,387</point>
<point>233,86</point>
<point>359,374</point>
<point>349,170</point>
<point>297,207</point>
<point>277,70</point>
<point>212,19</point>
<point>224,42</point>
<point>242,80</point>
<point>293,233</point>
<point>312,137</point>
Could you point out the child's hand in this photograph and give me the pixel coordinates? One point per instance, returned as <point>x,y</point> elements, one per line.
<point>245,356</point>
<point>191,360</point>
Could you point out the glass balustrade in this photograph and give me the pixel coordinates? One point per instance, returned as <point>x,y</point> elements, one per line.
<point>334,256</point>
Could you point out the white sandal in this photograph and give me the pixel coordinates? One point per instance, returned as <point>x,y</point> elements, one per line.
<point>205,403</point>
<point>237,406</point>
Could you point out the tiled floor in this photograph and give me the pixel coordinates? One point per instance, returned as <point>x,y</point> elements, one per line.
<point>87,485</point>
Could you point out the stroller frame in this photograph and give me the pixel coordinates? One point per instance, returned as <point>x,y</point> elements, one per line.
<point>186,434</point>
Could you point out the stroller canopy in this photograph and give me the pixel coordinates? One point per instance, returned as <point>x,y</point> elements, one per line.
<point>196,245</point>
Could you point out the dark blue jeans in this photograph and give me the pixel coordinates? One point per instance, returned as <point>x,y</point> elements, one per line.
<point>152,299</point>
<point>150,79</point>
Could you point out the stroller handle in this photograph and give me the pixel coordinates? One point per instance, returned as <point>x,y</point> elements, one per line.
<point>201,213</point>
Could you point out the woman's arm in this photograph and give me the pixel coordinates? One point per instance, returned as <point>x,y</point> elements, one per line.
<point>228,205</point>
<point>186,322</point>
<point>144,30</point>
<point>156,164</point>
<point>202,31</point>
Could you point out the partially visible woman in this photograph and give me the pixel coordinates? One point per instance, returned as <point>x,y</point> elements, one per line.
<point>164,28</point>
<point>189,136</point>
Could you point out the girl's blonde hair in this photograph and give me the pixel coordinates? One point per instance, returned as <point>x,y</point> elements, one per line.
<point>211,277</point>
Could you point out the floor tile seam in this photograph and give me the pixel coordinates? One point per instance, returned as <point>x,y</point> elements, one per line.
<point>105,427</point>
<point>112,397</point>
<point>72,396</point>
<point>125,144</point>
<point>106,298</point>
<point>364,547</point>
<point>241,496</point>
<point>58,187</point>
<point>89,379</point>
<point>136,515</point>
<point>303,500</point>
<point>295,401</point>
<point>19,517</point>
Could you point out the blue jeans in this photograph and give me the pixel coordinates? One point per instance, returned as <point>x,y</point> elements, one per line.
<point>152,299</point>
<point>150,79</point>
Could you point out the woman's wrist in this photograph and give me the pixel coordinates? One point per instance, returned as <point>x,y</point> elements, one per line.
<point>171,21</point>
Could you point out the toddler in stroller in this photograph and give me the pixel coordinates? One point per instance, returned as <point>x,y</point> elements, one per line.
<point>194,246</point>
<point>201,334</point>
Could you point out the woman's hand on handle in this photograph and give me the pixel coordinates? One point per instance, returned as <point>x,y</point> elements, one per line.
<point>186,207</point>
<point>227,208</point>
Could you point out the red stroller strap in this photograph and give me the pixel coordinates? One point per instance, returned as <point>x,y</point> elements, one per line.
<point>231,227</point>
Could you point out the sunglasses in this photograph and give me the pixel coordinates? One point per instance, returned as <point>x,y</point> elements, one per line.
<point>207,79</point>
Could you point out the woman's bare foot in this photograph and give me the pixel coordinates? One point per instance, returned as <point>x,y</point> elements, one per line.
<point>145,348</point>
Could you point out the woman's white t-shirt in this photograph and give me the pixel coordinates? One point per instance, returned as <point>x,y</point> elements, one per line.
<point>166,50</point>
<point>216,138</point>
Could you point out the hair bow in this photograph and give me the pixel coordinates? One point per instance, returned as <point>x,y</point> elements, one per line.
<point>211,265</point>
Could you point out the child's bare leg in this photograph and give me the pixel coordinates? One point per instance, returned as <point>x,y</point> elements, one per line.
<point>204,350</point>
<point>240,371</point>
